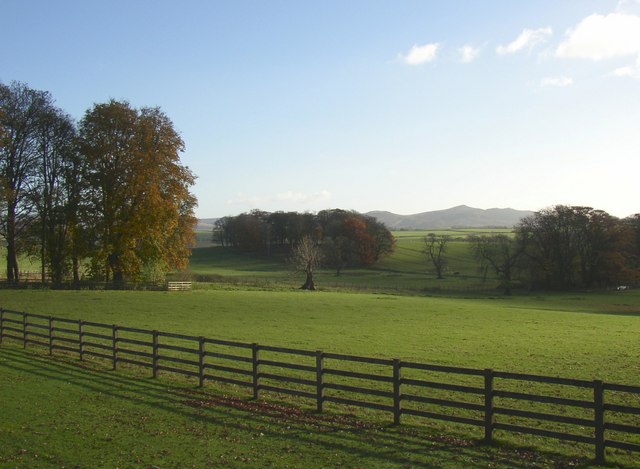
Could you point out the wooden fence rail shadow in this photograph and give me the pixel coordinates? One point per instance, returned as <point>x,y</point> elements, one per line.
<point>488,399</point>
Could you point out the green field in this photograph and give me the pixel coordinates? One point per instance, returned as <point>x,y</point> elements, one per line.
<point>582,336</point>
<point>396,309</point>
<point>407,269</point>
<point>571,335</point>
<point>57,414</point>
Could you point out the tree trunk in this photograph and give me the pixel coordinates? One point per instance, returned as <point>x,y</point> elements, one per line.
<point>12,257</point>
<point>43,255</point>
<point>76,273</point>
<point>12,263</point>
<point>118,279</point>
<point>308,284</point>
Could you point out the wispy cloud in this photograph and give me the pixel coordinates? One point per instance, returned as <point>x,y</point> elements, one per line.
<point>527,39</point>
<point>421,54</point>
<point>281,198</point>
<point>468,53</point>
<point>300,197</point>
<point>632,71</point>
<point>628,6</point>
<point>557,81</point>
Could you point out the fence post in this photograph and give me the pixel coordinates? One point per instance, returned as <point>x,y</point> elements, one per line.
<point>50,335</point>
<point>397,396</point>
<point>598,401</point>
<point>319,380</point>
<point>24,330</point>
<point>155,352</point>
<point>255,355</point>
<point>1,324</point>
<point>488,406</point>
<point>201,357</point>
<point>81,338</point>
<point>115,346</point>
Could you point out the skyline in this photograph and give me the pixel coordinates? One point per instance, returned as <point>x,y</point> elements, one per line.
<point>405,107</point>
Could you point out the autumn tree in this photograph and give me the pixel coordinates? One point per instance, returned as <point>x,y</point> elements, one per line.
<point>306,257</point>
<point>371,239</point>
<point>572,246</point>
<point>338,249</point>
<point>347,238</point>
<point>57,177</point>
<point>338,252</point>
<point>21,111</point>
<point>353,239</point>
<point>435,248</point>
<point>633,223</point>
<point>141,210</point>
<point>383,239</point>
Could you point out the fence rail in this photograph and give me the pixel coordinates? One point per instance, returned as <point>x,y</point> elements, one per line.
<point>488,397</point>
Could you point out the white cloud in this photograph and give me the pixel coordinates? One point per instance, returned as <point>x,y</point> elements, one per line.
<point>599,37</point>
<point>300,197</point>
<point>557,81</point>
<point>468,53</point>
<point>527,39</point>
<point>632,71</point>
<point>627,71</point>
<point>421,54</point>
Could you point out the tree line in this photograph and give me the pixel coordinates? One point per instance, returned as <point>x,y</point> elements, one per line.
<point>345,238</point>
<point>107,195</point>
<point>559,248</point>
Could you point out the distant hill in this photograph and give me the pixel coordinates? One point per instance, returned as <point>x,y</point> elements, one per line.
<point>206,224</point>
<point>461,216</point>
<point>456,217</point>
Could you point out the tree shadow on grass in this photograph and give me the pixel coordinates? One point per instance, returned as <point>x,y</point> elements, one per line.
<point>288,428</point>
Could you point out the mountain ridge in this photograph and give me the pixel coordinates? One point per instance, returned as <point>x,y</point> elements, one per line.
<point>455,217</point>
<point>460,216</point>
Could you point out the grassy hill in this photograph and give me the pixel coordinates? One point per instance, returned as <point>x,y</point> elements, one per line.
<point>406,269</point>
<point>462,216</point>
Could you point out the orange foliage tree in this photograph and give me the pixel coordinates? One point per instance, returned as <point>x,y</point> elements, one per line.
<point>140,210</point>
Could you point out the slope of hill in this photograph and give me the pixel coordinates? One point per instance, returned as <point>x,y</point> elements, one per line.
<point>460,216</point>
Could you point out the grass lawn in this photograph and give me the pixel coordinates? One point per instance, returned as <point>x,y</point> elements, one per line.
<point>103,418</point>
<point>406,269</point>
<point>56,413</point>
<point>574,335</point>
<point>142,421</point>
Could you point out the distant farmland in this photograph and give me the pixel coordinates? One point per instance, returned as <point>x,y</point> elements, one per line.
<point>406,269</point>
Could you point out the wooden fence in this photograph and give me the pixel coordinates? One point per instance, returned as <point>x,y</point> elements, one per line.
<point>491,400</point>
<point>178,286</point>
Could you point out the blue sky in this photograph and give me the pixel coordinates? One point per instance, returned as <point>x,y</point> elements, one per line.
<point>406,106</point>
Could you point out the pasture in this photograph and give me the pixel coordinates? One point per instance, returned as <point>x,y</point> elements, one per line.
<point>395,309</point>
<point>406,270</point>
<point>573,335</point>
<point>578,335</point>
<point>58,414</point>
